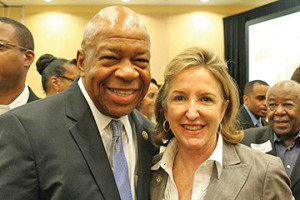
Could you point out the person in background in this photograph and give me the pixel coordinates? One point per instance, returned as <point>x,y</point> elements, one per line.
<point>57,73</point>
<point>195,110</point>
<point>87,142</point>
<point>253,111</point>
<point>16,56</point>
<point>73,61</point>
<point>282,137</point>
<point>296,75</point>
<point>146,107</point>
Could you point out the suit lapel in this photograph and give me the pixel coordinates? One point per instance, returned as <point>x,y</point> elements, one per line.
<point>268,136</point>
<point>264,122</point>
<point>145,153</point>
<point>158,184</point>
<point>247,118</point>
<point>32,96</point>
<point>233,176</point>
<point>86,135</point>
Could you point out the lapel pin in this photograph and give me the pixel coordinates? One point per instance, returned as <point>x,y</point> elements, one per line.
<point>145,135</point>
<point>158,179</point>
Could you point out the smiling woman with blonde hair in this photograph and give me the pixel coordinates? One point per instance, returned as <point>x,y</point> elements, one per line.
<point>195,113</point>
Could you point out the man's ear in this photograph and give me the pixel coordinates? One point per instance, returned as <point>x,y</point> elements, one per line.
<point>80,61</point>
<point>246,99</point>
<point>28,58</point>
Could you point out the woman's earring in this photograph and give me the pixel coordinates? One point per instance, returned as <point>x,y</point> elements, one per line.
<point>166,126</point>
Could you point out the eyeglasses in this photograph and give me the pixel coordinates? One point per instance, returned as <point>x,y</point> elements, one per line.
<point>4,45</point>
<point>64,77</point>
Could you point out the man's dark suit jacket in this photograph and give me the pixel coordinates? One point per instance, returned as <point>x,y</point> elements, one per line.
<point>52,149</point>
<point>245,120</point>
<point>264,134</point>
<point>32,96</point>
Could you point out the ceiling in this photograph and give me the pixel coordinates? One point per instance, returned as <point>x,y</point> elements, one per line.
<point>255,3</point>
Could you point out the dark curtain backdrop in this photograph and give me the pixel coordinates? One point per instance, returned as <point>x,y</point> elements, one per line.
<point>235,37</point>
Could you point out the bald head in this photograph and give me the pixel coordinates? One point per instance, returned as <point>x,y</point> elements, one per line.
<point>115,60</point>
<point>286,85</point>
<point>283,103</point>
<point>114,22</point>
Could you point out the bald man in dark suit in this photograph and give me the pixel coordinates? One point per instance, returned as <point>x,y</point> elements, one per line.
<point>61,147</point>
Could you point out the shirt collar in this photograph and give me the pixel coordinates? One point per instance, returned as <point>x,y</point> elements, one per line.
<point>168,157</point>
<point>253,118</point>
<point>217,155</point>
<point>278,140</point>
<point>171,150</point>
<point>102,120</point>
<point>19,101</point>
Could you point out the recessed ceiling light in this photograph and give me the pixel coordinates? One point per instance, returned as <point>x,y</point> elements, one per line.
<point>204,1</point>
<point>125,1</point>
<point>48,0</point>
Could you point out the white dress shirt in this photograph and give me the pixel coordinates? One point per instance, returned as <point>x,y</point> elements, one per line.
<point>202,174</point>
<point>128,137</point>
<point>19,101</point>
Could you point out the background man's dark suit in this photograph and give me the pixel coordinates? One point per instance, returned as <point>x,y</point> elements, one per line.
<point>244,118</point>
<point>264,134</point>
<point>63,159</point>
<point>32,96</point>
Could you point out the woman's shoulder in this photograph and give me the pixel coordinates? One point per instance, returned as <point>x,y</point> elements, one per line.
<point>252,156</point>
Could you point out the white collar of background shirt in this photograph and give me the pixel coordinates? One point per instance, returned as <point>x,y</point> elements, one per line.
<point>19,101</point>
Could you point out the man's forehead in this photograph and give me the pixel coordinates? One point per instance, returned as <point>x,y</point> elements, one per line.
<point>7,33</point>
<point>281,98</point>
<point>284,88</point>
<point>120,48</point>
<point>6,26</point>
<point>283,95</point>
<point>116,22</point>
<point>116,16</point>
<point>121,32</point>
<point>258,86</point>
<point>116,49</point>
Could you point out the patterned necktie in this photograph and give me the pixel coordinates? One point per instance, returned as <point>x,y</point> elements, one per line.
<point>119,162</point>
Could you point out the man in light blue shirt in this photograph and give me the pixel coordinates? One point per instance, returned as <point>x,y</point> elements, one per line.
<point>282,137</point>
<point>254,110</point>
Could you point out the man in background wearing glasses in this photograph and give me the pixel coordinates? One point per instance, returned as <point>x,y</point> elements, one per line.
<point>281,137</point>
<point>16,56</point>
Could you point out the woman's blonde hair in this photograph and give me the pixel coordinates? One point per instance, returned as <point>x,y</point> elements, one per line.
<point>198,57</point>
